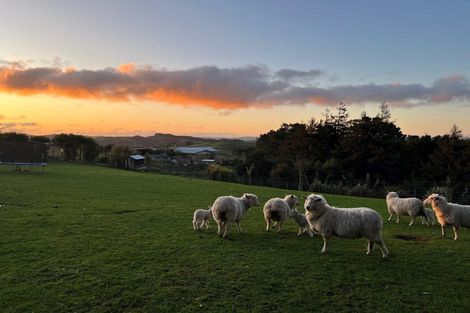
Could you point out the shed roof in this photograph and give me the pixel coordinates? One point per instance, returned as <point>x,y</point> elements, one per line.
<point>195,150</point>
<point>137,157</point>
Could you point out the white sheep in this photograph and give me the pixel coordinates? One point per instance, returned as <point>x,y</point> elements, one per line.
<point>279,210</point>
<point>228,209</point>
<point>448,213</point>
<point>405,207</point>
<point>301,220</point>
<point>345,223</point>
<point>201,218</point>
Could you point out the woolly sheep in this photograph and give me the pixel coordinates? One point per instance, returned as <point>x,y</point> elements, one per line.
<point>279,210</point>
<point>201,218</point>
<point>448,213</point>
<point>345,223</point>
<point>405,206</point>
<point>301,220</point>
<point>227,210</point>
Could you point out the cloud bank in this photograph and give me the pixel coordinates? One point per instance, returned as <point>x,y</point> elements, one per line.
<point>219,88</point>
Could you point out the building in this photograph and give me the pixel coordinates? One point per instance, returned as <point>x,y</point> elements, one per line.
<point>136,162</point>
<point>196,155</point>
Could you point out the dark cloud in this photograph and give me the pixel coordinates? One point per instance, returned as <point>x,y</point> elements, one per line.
<point>221,88</point>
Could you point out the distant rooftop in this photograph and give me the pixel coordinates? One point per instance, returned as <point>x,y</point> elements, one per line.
<point>195,150</point>
<point>137,157</point>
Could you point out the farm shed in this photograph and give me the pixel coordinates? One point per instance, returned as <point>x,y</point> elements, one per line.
<point>196,154</point>
<point>136,162</point>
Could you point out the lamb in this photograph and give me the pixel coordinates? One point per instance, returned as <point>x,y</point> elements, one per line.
<point>430,217</point>
<point>448,213</point>
<point>301,220</point>
<point>279,210</point>
<point>405,206</point>
<point>345,223</point>
<point>201,218</point>
<point>227,210</point>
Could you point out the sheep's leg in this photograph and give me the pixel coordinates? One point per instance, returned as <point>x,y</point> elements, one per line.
<point>383,247</point>
<point>239,228</point>
<point>219,228</point>
<point>227,225</point>
<point>310,233</point>
<point>207,224</point>
<point>370,247</point>
<point>274,225</point>
<point>398,218</point>
<point>325,243</point>
<point>390,218</point>
<point>279,227</point>
<point>194,225</point>
<point>412,220</point>
<point>268,224</point>
<point>443,231</point>
<point>300,231</point>
<point>456,232</point>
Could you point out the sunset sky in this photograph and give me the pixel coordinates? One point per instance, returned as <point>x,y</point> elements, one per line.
<point>230,68</point>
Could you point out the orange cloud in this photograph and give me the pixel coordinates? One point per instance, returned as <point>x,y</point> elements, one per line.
<point>218,88</point>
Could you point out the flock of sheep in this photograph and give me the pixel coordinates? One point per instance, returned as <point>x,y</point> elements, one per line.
<point>329,221</point>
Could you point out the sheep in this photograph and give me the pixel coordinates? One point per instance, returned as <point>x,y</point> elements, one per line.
<point>405,206</point>
<point>201,218</point>
<point>448,213</point>
<point>279,210</point>
<point>345,223</point>
<point>301,220</point>
<point>228,209</point>
<point>430,217</point>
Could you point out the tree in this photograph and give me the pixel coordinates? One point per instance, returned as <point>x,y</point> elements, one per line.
<point>120,154</point>
<point>13,136</point>
<point>385,113</point>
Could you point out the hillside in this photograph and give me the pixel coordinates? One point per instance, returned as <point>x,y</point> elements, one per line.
<point>169,140</point>
<point>79,238</point>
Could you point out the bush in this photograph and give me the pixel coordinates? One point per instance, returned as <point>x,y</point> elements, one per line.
<point>219,172</point>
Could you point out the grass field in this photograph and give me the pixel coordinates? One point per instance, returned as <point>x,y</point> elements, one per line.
<point>91,239</point>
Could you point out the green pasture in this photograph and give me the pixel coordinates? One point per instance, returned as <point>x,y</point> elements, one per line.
<point>80,238</point>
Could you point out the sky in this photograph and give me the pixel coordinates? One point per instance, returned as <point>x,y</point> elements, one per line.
<point>230,68</point>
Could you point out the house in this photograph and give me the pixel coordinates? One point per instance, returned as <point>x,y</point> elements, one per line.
<point>196,154</point>
<point>136,162</point>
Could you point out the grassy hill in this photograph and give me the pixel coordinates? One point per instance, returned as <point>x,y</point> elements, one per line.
<point>91,239</point>
<point>169,140</point>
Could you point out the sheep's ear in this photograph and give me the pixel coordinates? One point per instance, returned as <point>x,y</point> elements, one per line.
<point>292,196</point>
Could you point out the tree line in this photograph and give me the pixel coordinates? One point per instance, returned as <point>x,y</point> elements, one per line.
<point>363,155</point>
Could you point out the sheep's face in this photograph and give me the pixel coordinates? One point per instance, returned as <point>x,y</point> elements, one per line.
<point>251,199</point>
<point>292,200</point>
<point>293,212</point>
<point>314,203</point>
<point>434,200</point>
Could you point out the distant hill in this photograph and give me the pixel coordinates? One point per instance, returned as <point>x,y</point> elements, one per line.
<point>168,140</point>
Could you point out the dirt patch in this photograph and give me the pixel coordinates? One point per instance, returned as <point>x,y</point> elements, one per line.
<point>125,211</point>
<point>412,238</point>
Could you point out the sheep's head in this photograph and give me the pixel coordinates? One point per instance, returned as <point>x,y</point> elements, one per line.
<point>392,194</point>
<point>294,212</point>
<point>292,200</point>
<point>435,200</point>
<point>251,199</point>
<point>314,203</point>
<point>209,208</point>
